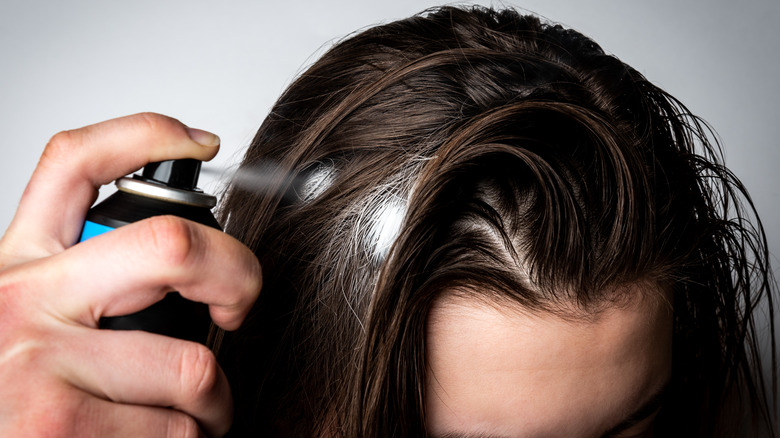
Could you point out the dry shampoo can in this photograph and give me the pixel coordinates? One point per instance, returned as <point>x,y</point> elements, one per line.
<point>163,188</point>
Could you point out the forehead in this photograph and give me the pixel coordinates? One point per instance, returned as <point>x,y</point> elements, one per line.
<point>500,371</point>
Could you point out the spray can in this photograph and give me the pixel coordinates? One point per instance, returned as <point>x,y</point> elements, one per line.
<point>163,188</point>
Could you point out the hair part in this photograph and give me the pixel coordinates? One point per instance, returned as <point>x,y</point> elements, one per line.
<point>481,150</point>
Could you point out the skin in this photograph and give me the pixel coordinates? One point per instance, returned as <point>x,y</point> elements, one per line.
<point>59,374</point>
<point>494,370</point>
<point>498,371</point>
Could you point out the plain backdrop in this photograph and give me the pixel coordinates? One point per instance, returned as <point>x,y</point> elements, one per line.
<point>220,65</point>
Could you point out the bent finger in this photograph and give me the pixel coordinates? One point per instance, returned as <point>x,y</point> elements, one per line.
<point>76,163</point>
<point>139,368</point>
<point>132,267</point>
<point>108,419</point>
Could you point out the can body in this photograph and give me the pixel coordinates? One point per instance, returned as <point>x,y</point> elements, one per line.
<point>172,316</point>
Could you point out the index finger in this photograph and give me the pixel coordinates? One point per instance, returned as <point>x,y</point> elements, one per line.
<point>132,267</point>
<point>76,163</point>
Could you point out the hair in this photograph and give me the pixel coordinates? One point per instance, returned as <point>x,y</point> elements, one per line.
<point>488,152</point>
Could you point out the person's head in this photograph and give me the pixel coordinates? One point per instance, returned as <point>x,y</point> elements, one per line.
<point>483,223</point>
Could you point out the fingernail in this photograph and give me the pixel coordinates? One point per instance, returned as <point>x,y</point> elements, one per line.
<point>202,137</point>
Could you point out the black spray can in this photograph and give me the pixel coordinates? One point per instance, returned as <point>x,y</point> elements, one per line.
<point>163,188</point>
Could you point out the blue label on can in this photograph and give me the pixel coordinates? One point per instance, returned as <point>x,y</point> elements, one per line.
<point>92,229</point>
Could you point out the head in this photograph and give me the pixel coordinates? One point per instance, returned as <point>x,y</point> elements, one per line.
<point>469,180</point>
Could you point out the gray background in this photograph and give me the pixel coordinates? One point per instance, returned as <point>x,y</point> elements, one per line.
<point>220,65</point>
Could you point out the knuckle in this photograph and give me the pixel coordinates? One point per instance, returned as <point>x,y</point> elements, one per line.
<point>11,293</point>
<point>60,146</point>
<point>256,274</point>
<point>79,416</point>
<point>149,119</point>
<point>182,425</point>
<point>58,415</point>
<point>199,372</point>
<point>171,239</point>
<point>251,276</point>
<point>153,122</point>
<point>254,280</point>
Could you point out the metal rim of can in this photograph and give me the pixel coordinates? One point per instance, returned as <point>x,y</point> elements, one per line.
<point>158,191</point>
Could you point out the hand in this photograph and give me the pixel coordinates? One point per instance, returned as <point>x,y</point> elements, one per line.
<point>59,374</point>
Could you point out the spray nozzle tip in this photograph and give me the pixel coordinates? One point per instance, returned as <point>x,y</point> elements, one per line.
<point>181,174</point>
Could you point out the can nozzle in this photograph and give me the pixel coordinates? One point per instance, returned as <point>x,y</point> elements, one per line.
<point>180,174</point>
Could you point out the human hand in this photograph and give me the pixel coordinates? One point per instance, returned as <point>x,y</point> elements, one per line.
<point>59,374</point>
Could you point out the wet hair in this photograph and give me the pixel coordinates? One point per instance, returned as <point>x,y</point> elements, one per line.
<point>483,151</point>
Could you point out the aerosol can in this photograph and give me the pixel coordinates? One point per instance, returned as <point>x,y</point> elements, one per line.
<point>163,188</point>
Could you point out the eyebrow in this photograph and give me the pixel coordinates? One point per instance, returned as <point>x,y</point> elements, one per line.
<point>468,435</point>
<point>652,404</point>
<point>645,410</point>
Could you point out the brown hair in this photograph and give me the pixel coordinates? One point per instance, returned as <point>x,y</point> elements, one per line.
<point>484,150</point>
